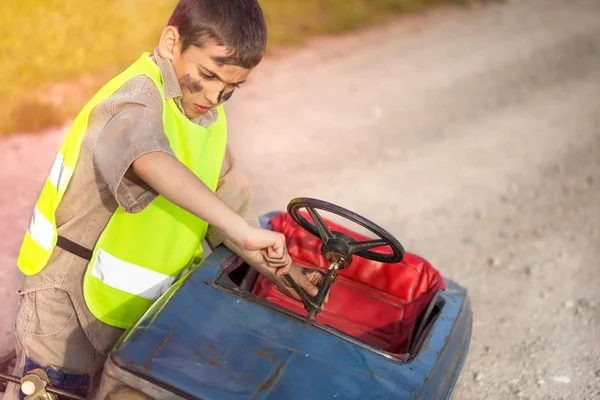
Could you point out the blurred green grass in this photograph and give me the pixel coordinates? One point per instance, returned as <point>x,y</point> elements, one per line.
<point>55,54</point>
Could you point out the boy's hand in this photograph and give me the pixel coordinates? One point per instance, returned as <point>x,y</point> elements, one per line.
<point>268,267</point>
<point>270,245</point>
<point>308,279</point>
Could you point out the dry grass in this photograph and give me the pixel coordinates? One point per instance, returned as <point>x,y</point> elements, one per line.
<point>55,54</point>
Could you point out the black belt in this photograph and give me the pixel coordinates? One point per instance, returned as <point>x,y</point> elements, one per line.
<point>74,248</point>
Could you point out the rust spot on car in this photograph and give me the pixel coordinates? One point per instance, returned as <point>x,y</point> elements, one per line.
<point>213,362</point>
<point>271,380</point>
<point>209,347</point>
<point>264,353</point>
<point>292,350</point>
<point>146,365</point>
<point>370,373</point>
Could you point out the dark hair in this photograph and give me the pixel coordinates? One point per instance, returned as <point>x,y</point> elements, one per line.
<point>239,25</point>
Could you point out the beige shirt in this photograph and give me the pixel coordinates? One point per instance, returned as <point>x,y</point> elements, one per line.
<point>122,128</point>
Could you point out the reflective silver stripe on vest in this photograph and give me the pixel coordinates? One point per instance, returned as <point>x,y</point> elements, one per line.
<point>41,230</point>
<point>130,278</point>
<point>59,172</point>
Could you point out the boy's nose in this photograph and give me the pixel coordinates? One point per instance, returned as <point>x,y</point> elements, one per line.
<point>212,98</point>
<point>215,96</point>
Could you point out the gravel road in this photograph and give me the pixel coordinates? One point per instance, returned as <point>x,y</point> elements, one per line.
<point>472,134</point>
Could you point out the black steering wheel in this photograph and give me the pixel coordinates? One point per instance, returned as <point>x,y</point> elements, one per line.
<point>337,241</point>
<point>337,246</point>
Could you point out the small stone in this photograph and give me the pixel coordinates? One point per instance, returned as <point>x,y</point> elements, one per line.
<point>597,373</point>
<point>589,180</point>
<point>476,376</point>
<point>583,303</point>
<point>493,262</point>
<point>467,240</point>
<point>527,270</point>
<point>486,349</point>
<point>561,379</point>
<point>541,382</point>
<point>569,304</point>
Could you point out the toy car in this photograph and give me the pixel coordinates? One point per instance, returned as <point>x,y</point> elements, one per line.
<point>393,327</point>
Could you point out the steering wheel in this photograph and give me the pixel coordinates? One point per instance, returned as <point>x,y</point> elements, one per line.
<point>337,246</point>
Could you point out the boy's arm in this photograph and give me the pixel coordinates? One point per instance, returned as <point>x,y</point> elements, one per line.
<point>174,181</point>
<point>265,250</point>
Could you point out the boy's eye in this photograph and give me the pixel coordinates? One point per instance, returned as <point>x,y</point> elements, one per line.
<point>213,77</point>
<point>206,76</point>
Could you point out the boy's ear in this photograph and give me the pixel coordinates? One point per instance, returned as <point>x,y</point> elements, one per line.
<point>169,42</point>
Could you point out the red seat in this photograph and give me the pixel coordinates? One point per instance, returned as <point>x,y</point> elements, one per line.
<point>375,302</point>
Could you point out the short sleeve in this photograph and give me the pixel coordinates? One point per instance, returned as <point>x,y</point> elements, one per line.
<point>136,128</point>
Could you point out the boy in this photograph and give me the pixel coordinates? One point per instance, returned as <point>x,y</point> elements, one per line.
<point>131,195</point>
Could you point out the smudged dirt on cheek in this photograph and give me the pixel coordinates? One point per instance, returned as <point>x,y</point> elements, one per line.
<point>192,85</point>
<point>224,97</point>
<point>228,95</point>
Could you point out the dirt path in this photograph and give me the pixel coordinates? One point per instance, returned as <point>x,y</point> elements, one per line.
<point>473,135</point>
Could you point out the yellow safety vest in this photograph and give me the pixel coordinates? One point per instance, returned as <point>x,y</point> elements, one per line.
<point>138,256</point>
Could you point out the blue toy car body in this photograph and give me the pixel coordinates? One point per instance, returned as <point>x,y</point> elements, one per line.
<point>210,338</point>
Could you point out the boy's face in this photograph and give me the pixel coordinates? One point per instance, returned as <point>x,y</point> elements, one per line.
<point>204,82</point>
